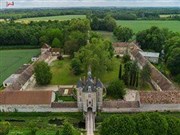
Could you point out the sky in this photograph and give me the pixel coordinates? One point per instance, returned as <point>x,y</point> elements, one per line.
<point>91,3</point>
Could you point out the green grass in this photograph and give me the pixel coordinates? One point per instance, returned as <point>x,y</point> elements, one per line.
<point>66,98</point>
<point>137,26</point>
<point>62,74</point>
<point>12,60</point>
<point>109,76</point>
<point>52,18</point>
<point>107,35</point>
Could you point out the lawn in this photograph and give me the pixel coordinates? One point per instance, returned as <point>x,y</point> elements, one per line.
<point>46,123</point>
<point>107,35</point>
<point>12,60</point>
<point>137,26</point>
<point>62,74</point>
<point>52,18</point>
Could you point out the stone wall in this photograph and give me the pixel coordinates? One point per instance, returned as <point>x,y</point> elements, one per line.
<point>35,108</point>
<point>64,105</point>
<point>121,104</point>
<point>157,77</point>
<point>157,97</point>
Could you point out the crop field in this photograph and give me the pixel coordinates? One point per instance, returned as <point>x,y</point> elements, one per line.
<point>11,60</point>
<point>52,18</point>
<point>137,26</point>
<point>168,15</point>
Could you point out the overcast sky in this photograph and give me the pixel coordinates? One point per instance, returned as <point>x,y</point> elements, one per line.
<point>92,3</point>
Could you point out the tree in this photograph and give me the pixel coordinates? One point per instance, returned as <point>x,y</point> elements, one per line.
<point>173,62</point>
<point>95,55</point>
<point>110,23</point>
<point>67,129</point>
<point>171,44</point>
<point>173,125</point>
<point>116,89</point>
<point>118,125</point>
<point>131,73</point>
<point>126,58</point>
<point>123,34</point>
<point>159,124</point>
<point>152,39</point>
<point>120,72</point>
<point>76,66</point>
<point>42,73</point>
<point>145,74</point>
<point>4,128</point>
<point>56,43</point>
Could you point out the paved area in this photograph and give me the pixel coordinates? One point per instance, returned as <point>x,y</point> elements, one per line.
<point>131,95</point>
<point>89,123</point>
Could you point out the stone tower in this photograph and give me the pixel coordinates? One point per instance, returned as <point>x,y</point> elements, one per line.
<point>89,93</point>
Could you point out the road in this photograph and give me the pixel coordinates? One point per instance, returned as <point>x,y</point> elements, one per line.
<point>89,122</point>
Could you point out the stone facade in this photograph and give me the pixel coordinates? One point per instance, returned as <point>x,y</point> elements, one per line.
<point>89,94</point>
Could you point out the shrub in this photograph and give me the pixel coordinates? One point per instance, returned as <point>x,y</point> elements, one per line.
<point>4,128</point>
<point>122,125</point>
<point>143,124</point>
<point>116,89</point>
<point>159,124</point>
<point>173,126</point>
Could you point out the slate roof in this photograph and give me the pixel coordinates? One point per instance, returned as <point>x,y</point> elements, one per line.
<point>150,54</point>
<point>25,97</point>
<point>90,84</point>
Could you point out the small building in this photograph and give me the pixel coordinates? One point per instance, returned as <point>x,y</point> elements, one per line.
<point>10,80</point>
<point>89,94</point>
<point>55,51</point>
<point>45,48</point>
<point>26,101</point>
<point>151,56</point>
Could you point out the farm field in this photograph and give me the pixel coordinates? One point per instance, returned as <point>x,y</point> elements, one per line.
<point>52,18</point>
<point>12,60</point>
<point>137,26</point>
<point>168,15</point>
<point>62,74</point>
<point>45,123</point>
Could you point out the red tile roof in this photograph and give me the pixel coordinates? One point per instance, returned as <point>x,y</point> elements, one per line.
<point>25,97</point>
<point>120,44</point>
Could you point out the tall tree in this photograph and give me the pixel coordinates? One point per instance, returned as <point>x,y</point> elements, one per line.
<point>42,72</point>
<point>152,39</point>
<point>123,34</point>
<point>145,74</point>
<point>56,43</point>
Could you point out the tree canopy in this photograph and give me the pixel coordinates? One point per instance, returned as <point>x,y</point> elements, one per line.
<point>152,39</point>
<point>95,54</point>
<point>42,72</point>
<point>116,89</point>
<point>123,34</point>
